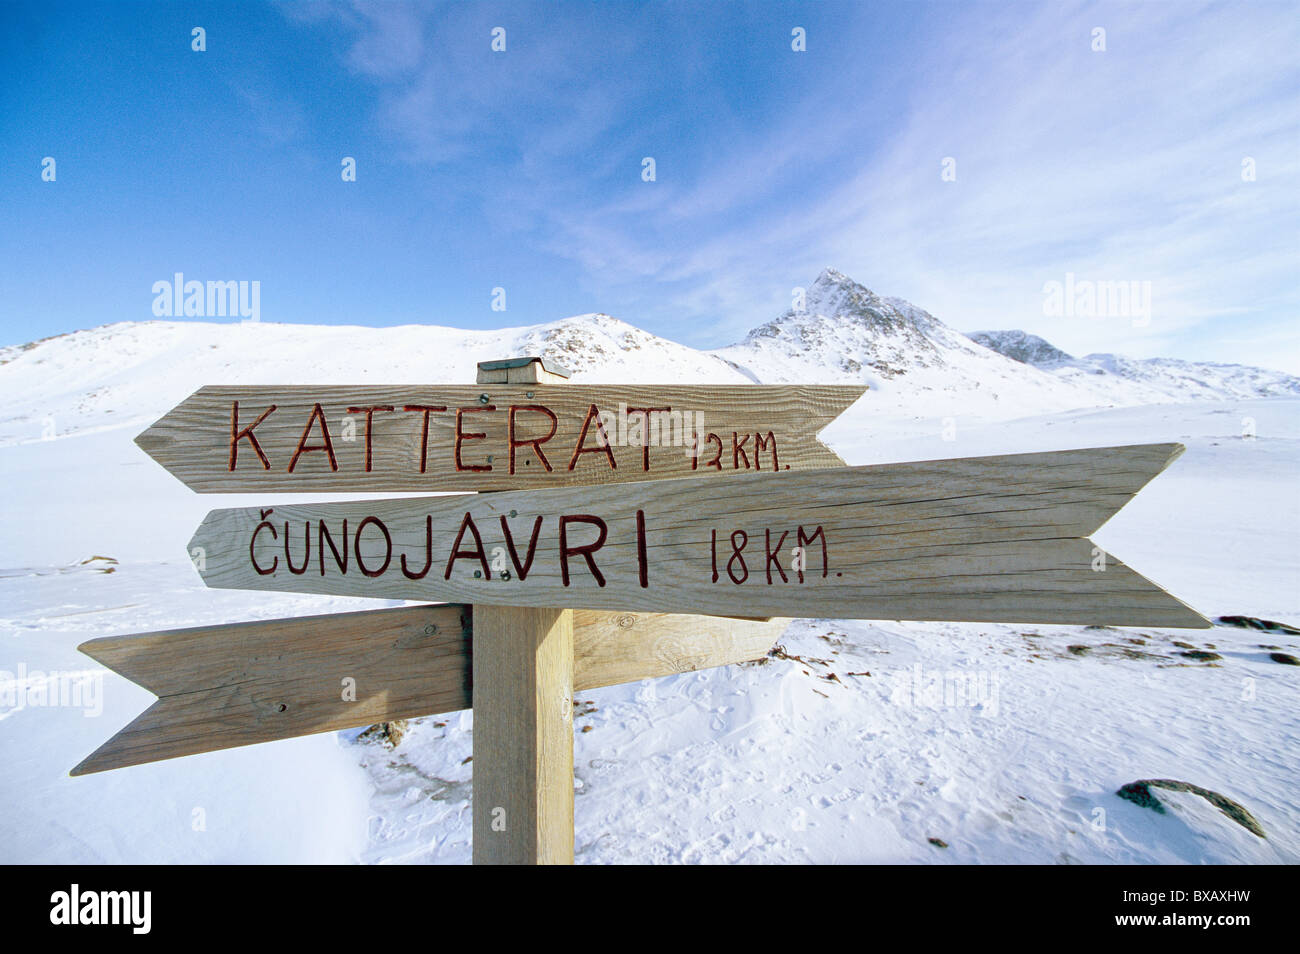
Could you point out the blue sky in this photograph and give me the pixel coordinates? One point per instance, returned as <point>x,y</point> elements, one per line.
<point>523,169</point>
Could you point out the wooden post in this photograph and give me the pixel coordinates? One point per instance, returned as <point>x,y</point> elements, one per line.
<point>523,711</point>
<point>523,736</point>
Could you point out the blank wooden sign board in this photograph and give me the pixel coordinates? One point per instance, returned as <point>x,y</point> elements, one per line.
<point>242,683</point>
<point>624,501</point>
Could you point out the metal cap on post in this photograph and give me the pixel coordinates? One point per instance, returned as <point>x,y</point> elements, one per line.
<point>529,370</point>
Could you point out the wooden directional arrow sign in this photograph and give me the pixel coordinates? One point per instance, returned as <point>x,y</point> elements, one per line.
<point>487,437</point>
<point>996,539</point>
<point>244,683</point>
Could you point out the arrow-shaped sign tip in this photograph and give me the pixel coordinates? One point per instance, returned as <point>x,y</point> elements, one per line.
<point>148,442</point>
<point>117,653</point>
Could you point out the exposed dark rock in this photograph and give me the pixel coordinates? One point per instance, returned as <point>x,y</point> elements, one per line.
<point>103,564</point>
<point>1023,347</point>
<point>1250,622</point>
<point>1139,793</point>
<point>386,733</point>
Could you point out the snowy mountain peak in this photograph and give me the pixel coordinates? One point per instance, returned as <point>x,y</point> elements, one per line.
<point>601,344</point>
<point>837,302</point>
<point>834,294</point>
<point>846,332</point>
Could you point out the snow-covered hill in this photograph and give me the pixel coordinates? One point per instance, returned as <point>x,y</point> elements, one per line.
<point>129,374</point>
<point>1156,379</point>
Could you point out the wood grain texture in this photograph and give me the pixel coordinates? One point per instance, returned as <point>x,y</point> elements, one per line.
<point>219,687</point>
<point>612,648</point>
<point>996,539</point>
<point>523,736</point>
<point>214,443</point>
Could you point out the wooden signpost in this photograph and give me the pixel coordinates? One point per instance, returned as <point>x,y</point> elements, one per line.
<point>624,501</point>
<point>487,437</point>
<point>996,539</point>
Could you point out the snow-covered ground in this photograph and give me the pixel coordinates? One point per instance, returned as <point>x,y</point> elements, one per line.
<point>809,759</point>
<point>832,751</point>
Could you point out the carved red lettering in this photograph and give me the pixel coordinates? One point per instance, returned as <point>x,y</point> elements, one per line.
<point>716,463</point>
<point>738,451</point>
<point>585,550</point>
<point>534,442</point>
<point>306,557</point>
<point>388,546</point>
<point>369,412</point>
<point>424,430</point>
<point>802,542</point>
<point>773,556</point>
<point>238,434</point>
<point>428,553</point>
<point>521,569</point>
<point>252,543</point>
<point>477,553</point>
<point>643,564</point>
<point>761,444</point>
<point>646,412</point>
<point>603,441</point>
<point>738,556</point>
<point>303,447</point>
<point>462,436</point>
<point>323,537</point>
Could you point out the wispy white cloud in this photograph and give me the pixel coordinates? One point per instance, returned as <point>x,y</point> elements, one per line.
<point>1127,168</point>
<point>1115,165</point>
